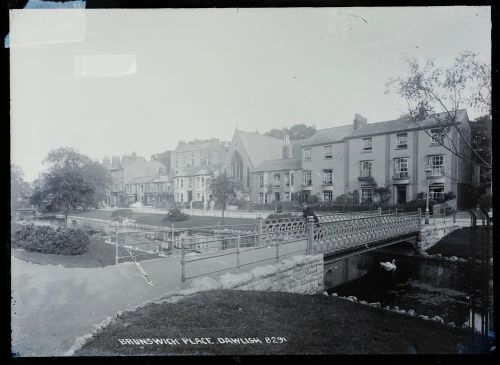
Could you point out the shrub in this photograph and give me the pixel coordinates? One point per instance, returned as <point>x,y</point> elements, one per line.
<point>120,214</point>
<point>175,215</point>
<point>283,215</point>
<point>46,239</point>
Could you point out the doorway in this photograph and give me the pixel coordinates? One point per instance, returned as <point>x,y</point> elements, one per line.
<point>401,194</point>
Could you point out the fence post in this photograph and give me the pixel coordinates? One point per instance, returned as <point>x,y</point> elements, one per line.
<point>173,239</point>
<point>259,230</point>
<point>419,218</point>
<point>277,247</point>
<point>310,235</point>
<point>183,262</point>
<point>238,254</point>
<point>396,210</point>
<point>379,210</point>
<point>454,217</point>
<point>116,245</point>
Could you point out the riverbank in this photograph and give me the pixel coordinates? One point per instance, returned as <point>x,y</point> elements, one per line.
<point>292,323</point>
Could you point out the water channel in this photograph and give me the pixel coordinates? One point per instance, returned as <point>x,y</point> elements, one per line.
<point>457,292</point>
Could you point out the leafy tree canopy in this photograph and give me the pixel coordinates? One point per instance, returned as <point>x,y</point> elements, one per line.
<point>298,131</point>
<point>72,181</point>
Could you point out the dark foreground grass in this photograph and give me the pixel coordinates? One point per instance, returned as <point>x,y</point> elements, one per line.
<point>309,324</point>
<point>458,242</point>
<point>157,219</point>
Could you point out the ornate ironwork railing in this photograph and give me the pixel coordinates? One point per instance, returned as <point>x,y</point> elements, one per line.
<point>349,233</point>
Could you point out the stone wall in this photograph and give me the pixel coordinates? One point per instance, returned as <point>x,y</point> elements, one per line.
<point>431,234</point>
<point>301,274</point>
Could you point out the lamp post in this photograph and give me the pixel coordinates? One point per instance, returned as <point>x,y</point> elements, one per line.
<point>428,171</point>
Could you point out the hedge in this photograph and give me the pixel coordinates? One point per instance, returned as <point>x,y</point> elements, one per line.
<point>122,213</point>
<point>175,215</point>
<point>46,239</point>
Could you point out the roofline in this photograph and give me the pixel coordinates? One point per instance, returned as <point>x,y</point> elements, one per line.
<point>294,169</point>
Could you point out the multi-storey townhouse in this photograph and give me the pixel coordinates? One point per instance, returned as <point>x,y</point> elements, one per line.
<point>193,183</point>
<point>277,180</point>
<point>396,154</point>
<point>196,153</point>
<point>153,191</point>
<point>323,163</point>
<point>125,169</point>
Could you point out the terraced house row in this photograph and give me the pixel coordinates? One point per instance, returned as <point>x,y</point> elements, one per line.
<point>405,157</point>
<point>399,154</point>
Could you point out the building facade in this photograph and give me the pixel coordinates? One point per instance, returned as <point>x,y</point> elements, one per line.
<point>153,191</point>
<point>197,153</point>
<point>192,184</point>
<point>401,157</point>
<point>124,170</point>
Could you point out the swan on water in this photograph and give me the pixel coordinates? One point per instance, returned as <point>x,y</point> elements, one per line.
<point>389,266</point>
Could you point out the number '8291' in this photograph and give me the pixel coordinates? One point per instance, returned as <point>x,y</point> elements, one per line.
<point>275,339</point>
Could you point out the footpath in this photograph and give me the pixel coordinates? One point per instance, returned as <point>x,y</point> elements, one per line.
<point>53,305</point>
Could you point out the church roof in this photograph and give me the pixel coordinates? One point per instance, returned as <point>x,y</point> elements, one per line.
<point>260,148</point>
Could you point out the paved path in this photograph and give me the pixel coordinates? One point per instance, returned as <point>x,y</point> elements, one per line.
<point>53,305</point>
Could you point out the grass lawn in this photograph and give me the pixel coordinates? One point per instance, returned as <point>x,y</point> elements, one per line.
<point>157,219</point>
<point>457,243</point>
<point>99,254</point>
<point>310,324</point>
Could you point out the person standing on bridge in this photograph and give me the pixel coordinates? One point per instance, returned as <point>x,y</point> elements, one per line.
<point>308,212</point>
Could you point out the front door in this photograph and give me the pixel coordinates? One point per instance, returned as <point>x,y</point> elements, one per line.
<point>190,196</point>
<point>401,189</point>
<point>277,197</point>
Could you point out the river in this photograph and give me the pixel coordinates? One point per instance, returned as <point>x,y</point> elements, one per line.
<point>429,287</point>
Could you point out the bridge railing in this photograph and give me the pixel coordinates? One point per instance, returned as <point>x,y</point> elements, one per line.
<point>339,235</point>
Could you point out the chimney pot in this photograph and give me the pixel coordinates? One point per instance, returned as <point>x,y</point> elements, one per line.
<point>359,121</point>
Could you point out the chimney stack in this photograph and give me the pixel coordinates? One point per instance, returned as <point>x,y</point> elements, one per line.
<point>359,121</point>
<point>106,162</point>
<point>115,162</point>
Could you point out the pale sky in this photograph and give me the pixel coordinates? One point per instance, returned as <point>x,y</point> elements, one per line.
<point>110,82</point>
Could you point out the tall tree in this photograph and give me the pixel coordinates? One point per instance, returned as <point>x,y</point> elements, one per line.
<point>225,189</point>
<point>164,158</point>
<point>431,92</point>
<point>296,132</point>
<point>20,190</point>
<point>72,181</point>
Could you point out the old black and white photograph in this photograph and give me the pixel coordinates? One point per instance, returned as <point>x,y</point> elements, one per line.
<point>250,181</point>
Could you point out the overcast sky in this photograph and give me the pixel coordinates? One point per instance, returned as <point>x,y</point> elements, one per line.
<point>110,82</point>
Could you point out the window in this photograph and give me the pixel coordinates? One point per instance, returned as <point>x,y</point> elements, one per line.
<point>277,179</point>
<point>436,191</point>
<point>203,182</point>
<point>366,195</point>
<point>437,136</point>
<point>327,177</point>
<point>182,183</point>
<point>306,154</point>
<point>198,196</point>
<point>328,152</point>
<point>287,196</point>
<point>402,140</point>
<point>292,178</point>
<point>265,198</point>
<point>261,198</point>
<point>365,168</point>
<point>327,196</point>
<point>367,144</point>
<point>261,181</point>
<point>401,168</point>
<point>307,181</point>
<point>182,197</point>
<point>436,162</point>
